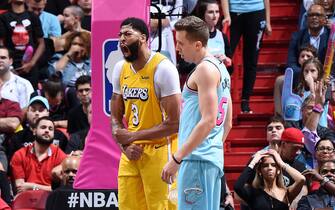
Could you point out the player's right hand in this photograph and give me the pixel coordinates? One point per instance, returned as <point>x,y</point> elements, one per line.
<point>133,152</point>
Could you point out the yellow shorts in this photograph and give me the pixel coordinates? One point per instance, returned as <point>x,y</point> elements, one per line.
<point>139,182</point>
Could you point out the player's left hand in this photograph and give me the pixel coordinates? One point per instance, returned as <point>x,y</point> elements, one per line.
<point>169,171</point>
<point>123,136</point>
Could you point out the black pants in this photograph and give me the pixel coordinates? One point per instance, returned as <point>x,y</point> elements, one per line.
<point>251,26</point>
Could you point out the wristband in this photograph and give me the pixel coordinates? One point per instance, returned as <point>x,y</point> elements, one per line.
<point>175,160</point>
<point>324,181</point>
<point>69,57</point>
<point>318,108</point>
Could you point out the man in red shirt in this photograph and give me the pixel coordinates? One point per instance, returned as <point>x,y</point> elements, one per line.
<point>32,165</point>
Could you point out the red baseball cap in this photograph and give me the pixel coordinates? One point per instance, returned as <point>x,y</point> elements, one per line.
<point>293,135</point>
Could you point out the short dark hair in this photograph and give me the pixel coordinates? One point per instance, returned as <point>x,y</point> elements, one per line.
<point>325,139</point>
<point>54,85</point>
<point>10,52</point>
<point>201,8</point>
<point>275,119</point>
<point>137,24</point>
<point>84,79</point>
<point>308,48</point>
<point>43,118</point>
<point>76,11</point>
<point>196,29</point>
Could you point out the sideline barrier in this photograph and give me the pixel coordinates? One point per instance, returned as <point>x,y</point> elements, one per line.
<point>99,165</point>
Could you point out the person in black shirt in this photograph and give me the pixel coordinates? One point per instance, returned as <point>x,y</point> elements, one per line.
<point>77,117</point>
<point>267,190</point>
<point>86,6</point>
<point>18,30</point>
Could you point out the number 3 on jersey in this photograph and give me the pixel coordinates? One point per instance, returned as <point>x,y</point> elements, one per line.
<point>134,109</point>
<point>220,118</point>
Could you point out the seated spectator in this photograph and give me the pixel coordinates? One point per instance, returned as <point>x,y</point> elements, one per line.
<point>10,118</point>
<point>38,107</point>
<point>72,23</point>
<point>328,5</point>
<point>316,35</point>
<point>323,198</point>
<point>70,167</point>
<point>13,87</point>
<point>77,117</point>
<point>305,53</point>
<point>274,130</point>
<point>32,165</point>
<point>78,139</point>
<point>60,99</point>
<point>324,151</point>
<point>312,83</point>
<point>20,29</point>
<point>218,44</point>
<point>86,6</point>
<point>75,62</point>
<point>268,190</point>
<point>50,23</point>
<point>309,124</point>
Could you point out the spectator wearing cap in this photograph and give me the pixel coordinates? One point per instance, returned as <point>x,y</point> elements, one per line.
<point>10,119</point>
<point>38,107</point>
<point>32,165</point>
<point>290,145</point>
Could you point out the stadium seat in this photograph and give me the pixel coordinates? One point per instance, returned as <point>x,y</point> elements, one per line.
<point>30,200</point>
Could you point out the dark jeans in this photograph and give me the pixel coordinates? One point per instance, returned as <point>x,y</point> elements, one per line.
<point>251,26</point>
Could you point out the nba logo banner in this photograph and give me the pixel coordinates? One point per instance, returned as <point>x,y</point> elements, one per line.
<point>111,55</point>
<point>99,164</point>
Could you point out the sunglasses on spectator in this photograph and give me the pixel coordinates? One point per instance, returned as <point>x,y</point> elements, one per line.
<point>327,149</point>
<point>315,15</point>
<point>84,90</point>
<point>325,171</point>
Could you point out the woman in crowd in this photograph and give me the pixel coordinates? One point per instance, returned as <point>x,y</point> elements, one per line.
<point>75,62</point>
<point>218,45</point>
<point>267,190</point>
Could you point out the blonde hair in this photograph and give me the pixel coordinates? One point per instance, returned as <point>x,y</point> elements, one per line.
<point>258,181</point>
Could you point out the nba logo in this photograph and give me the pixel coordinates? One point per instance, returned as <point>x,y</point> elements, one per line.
<point>111,55</point>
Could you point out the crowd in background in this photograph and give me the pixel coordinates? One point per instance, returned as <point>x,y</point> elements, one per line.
<point>45,96</point>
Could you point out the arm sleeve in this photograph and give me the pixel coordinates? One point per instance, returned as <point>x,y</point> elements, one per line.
<point>116,77</point>
<point>244,191</point>
<point>14,110</point>
<point>166,79</point>
<point>311,138</point>
<point>17,166</point>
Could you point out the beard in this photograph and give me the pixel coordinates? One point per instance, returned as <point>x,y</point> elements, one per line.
<point>133,49</point>
<point>43,141</point>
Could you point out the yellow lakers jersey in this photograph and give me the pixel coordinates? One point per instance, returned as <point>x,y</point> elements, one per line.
<point>142,107</point>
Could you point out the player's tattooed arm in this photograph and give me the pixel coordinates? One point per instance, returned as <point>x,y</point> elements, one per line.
<point>117,111</point>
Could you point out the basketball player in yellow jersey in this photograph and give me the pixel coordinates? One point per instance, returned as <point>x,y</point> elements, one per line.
<point>146,92</point>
